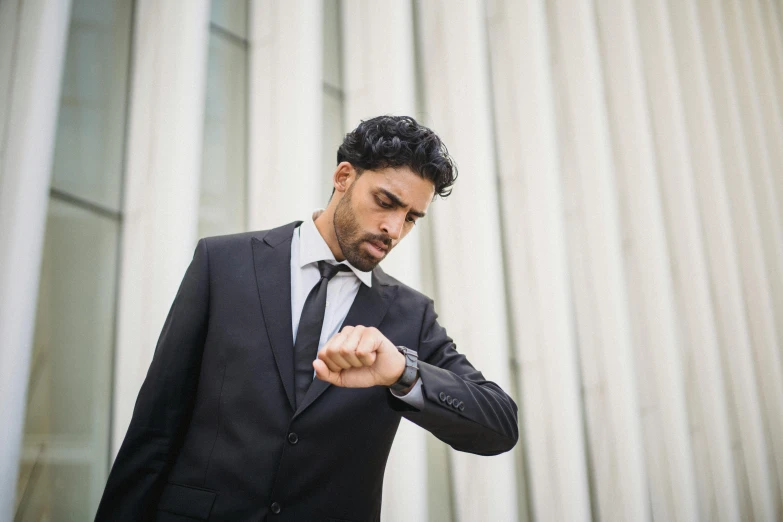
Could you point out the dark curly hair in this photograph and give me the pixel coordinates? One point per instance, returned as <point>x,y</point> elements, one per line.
<point>399,141</point>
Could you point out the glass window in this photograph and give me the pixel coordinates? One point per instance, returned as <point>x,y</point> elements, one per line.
<point>223,199</point>
<point>332,136</point>
<point>65,453</point>
<point>333,124</point>
<point>69,393</point>
<point>231,16</point>
<point>332,45</point>
<point>91,124</point>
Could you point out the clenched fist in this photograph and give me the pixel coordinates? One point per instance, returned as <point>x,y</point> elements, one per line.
<point>359,357</point>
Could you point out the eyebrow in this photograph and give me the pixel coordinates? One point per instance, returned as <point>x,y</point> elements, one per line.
<point>399,203</point>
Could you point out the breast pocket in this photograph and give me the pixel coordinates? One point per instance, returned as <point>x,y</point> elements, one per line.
<point>188,501</point>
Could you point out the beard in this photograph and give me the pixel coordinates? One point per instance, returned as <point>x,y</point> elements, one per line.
<point>350,237</point>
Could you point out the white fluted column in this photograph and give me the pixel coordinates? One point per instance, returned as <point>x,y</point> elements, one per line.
<point>163,170</point>
<point>767,113</point>
<point>597,269</point>
<point>770,17</point>
<point>705,384</point>
<point>750,448</point>
<point>32,56</point>
<point>656,339</point>
<point>373,28</point>
<point>285,176</point>
<point>535,245</point>
<point>756,212</point>
<point>467,234</point>
<point>747,166</point>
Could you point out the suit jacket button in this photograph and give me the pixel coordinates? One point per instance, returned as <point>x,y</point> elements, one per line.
<point>449,400</point>
<point>461,407</point>
<point>275,507</point>
<point>442,397</point>
<point>293,438</point>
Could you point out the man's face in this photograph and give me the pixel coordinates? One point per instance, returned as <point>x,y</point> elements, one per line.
<point>378,209</point>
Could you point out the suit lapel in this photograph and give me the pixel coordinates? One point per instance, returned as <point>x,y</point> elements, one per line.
<point>368,309</point>
<point>272,262</point>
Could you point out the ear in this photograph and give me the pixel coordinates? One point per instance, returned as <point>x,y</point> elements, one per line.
<point>344,175</point>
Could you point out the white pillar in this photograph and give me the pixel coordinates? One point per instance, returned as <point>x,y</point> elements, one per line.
<point>33,36</point>
<point>535,247</point>
<point>767,106</point>
<point>285,172</point>
<point>598,269</point>
<point>373,28</point>
<point>705,384</point>
<point>758,216</point>
<point>770,17</point>
<point>467,233</point>
<point>656,340</point>
<point>750,449</point>
<point>163,170</point>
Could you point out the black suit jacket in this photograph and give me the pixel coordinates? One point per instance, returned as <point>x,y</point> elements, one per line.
<point>214,433</point>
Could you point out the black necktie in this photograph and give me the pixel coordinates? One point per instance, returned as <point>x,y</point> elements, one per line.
<point>309,332</point>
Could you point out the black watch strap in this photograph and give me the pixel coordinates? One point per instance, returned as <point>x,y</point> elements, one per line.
<point>411,372</point>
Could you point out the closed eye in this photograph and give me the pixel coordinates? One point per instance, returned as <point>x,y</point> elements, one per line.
<point>383,203</point>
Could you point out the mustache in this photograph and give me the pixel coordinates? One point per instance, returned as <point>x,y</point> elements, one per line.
<point>386,240</point>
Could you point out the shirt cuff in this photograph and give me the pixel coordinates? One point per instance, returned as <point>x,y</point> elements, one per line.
<point>414,397</point>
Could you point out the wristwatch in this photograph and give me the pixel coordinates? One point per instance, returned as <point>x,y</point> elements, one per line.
<point>411,372</point>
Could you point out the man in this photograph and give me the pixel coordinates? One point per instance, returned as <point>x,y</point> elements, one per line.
<point>230,423</point>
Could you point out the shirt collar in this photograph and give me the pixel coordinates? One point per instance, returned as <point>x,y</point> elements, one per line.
<point>313,248</point>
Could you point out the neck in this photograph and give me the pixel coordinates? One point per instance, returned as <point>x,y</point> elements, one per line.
<point>325,225</point>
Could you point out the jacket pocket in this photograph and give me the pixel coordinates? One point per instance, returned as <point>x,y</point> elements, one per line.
<point>187,500</point>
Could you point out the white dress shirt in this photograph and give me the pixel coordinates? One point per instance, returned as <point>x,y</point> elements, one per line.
<point>307,248</point>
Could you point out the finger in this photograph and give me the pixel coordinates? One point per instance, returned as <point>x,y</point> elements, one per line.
<point>323,372</point>
<point>348,349</point>
<point>348,329</point>
<point>328,360</point>
<point>336,339</point>
<point>334,355</point>
<point>366,349</point>
<point>367,359</point>
<point>326,356</point>
<point>330,353</point>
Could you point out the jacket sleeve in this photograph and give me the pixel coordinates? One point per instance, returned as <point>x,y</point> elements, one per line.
<point>461,407</point>
<point>163,407</point>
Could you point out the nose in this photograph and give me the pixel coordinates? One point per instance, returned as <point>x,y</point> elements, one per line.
<point>393,226</point>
